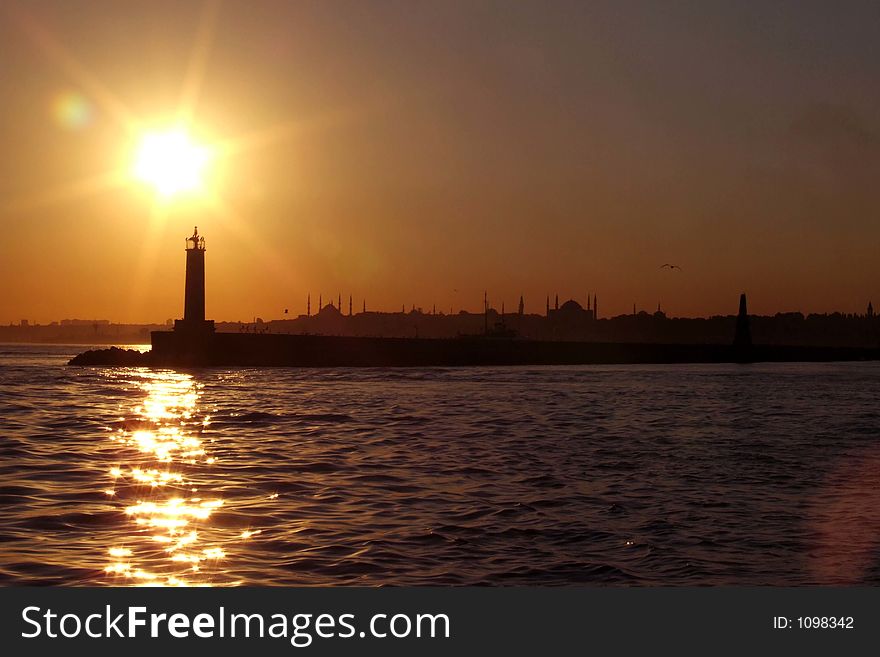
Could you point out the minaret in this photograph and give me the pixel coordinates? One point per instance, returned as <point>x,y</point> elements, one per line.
<point>349,305</point>
<point>485,312</point>
<point>548,305</point>
<point>320,303</point>
<point>588,300</point>
<point>595,307</point>
<point>870,310</point>
<point>309,305</point>
<point>556,305</point>
<point>365,306</point>
<point>522,306</point>
<point>339,303</point>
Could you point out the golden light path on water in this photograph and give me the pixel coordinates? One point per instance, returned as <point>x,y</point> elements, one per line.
<point>171,538</point>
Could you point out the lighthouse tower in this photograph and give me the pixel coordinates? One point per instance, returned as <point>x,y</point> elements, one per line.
<point>194,294</point>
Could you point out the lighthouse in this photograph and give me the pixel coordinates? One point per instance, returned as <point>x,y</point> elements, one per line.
<point>194,292</point>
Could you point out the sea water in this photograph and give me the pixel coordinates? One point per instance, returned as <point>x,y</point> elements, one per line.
<point>590,475</point>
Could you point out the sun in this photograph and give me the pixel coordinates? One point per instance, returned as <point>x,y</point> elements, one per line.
<point>171,162</point>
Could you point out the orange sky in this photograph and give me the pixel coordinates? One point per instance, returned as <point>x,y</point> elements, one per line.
<point>419,153</point>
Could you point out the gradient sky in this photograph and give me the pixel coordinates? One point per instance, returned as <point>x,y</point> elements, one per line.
<point>421,152</point>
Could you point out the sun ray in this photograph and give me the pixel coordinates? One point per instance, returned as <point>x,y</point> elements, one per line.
<point>284,131</point>
<point>73,68</point>
<point>150,243</point>
<point>261,248</point>
<point>195,72</point>
<point>70,191</point>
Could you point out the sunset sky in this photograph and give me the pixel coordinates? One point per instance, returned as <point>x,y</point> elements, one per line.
<point>421,152</point>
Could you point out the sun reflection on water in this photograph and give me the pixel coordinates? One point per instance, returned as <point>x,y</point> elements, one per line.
<point>171,537</point>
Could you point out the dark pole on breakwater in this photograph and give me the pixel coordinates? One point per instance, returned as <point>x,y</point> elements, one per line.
<point>743,336</point>
<point>742,339</point>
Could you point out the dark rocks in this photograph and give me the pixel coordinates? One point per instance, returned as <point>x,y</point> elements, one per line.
<point>113,357</point>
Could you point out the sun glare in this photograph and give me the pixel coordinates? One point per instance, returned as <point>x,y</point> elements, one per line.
<point>171,162</point>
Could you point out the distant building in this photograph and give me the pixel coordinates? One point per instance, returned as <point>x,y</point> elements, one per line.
<point>85,322</point>
<point>570,311</point>
<point>569,321</point>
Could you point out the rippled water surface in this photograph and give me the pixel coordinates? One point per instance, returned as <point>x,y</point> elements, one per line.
<point>630,475</point>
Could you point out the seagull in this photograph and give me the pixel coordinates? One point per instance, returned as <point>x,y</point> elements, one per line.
<point>666,264</point>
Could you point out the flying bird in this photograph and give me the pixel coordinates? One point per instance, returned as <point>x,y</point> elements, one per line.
<point>667,265</point>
